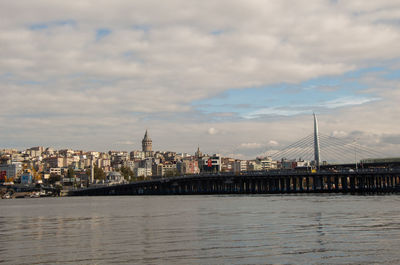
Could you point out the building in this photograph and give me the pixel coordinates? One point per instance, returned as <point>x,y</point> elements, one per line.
<point>188,166</point>
<point>147,143</point>
<point>11,170</point>
<point>267,163</point>
<point>169,169</point>
<point>240,166</point>
<point>211,164</point>
<point>35,151</point>
<point>198,154</point>
<point>288,164</point>
<point>142,172</point>
<point>157,170</point>
<point>134,155</point>
<point>58,161</point>
<point>113,178</point>
<point>26,178</point>
<point>55,171</point>
<point>227,164</point>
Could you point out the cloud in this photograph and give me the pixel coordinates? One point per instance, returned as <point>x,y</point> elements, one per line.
<point>212,131</point>
<point>347,101</point>
<point>338,134</point>
<point>273,143</point>
<point>272,111</point>
<point>60,86</point>
<point>250,145</point>
<point>391,139</point>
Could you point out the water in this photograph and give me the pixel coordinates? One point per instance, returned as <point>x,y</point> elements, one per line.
<point>321,229</point>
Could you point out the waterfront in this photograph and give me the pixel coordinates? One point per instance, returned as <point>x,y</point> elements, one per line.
<point>272,229</point>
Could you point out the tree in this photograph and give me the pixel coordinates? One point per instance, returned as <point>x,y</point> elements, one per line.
<point>54,178</point>
<point>70,173</point>
<point>126,172</point>
<point>98,173</point>
<point>171,173</point>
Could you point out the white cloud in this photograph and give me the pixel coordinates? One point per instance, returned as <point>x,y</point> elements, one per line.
<point>250,145</point>
<point>338,134</point>
<point>347,101</point>
<point>273,111</point>
<point>273,143</point>
<point>60,83</point>
<point>212,131</point>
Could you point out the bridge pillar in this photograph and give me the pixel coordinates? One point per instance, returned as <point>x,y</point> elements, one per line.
<point>271,184</point>
<point>391,181</point>
<point>314,183</point>
<point>352,183</point>
<point>329,180</point>
<point>253,186</point>
<point>344,184</point>
<point>378,182</point>
<point>275,184</point>
<point>281,185</point>
<point>336,183</point>
<point>301,182</point>
<point>387,182</point>
<point>294,184</point>
<point>374,183</point>
<point>241,185</point>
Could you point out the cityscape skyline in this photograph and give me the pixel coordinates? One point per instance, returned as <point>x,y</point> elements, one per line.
<point>236,78</point>
<point>199,132</point>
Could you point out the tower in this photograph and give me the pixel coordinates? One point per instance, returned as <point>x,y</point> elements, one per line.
<point>147,143</point>
<point>316,142</point>
<point>198,154</point>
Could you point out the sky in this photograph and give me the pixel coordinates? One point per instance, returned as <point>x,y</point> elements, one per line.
<point>239,78</point>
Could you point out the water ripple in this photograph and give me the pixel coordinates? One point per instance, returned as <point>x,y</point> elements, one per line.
<point>201,230</point>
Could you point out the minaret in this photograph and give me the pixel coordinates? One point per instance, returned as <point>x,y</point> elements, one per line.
<point>147,143</point>
<point>316,142</point>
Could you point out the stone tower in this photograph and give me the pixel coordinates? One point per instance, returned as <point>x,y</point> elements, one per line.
<point>147,143</point>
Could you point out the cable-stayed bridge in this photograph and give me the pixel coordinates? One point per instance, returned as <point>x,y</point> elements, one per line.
<point>322,149</point>
<point>315,147</point>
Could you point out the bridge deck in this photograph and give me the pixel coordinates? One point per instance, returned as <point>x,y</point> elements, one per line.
<point>376,181</point>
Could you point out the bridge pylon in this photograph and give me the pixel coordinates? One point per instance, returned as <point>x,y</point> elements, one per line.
<point>316,143</point>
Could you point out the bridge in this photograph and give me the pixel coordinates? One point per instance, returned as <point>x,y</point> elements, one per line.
<point>361,181</point>
<point>380,176</point>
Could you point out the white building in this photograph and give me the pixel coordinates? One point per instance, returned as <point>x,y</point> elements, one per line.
<point>239,166</point>
<point>142,172</point>
<point>55,171</point>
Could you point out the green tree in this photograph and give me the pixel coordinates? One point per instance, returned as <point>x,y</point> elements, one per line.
<point>98,173</point>
<point>53,178</point>
<point>70,173</point>
<point>171,173</point>
<point>127,173</point>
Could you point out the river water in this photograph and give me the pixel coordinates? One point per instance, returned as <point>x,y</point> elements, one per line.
<point>272,229</point>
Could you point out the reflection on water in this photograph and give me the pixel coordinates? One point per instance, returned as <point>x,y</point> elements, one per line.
<point>201,230</point>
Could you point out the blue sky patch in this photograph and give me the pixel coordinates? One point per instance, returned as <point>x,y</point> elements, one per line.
<point>218,32</point>
<point>101,33</point>
<point>47,25</point>
<point>319,94</point>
